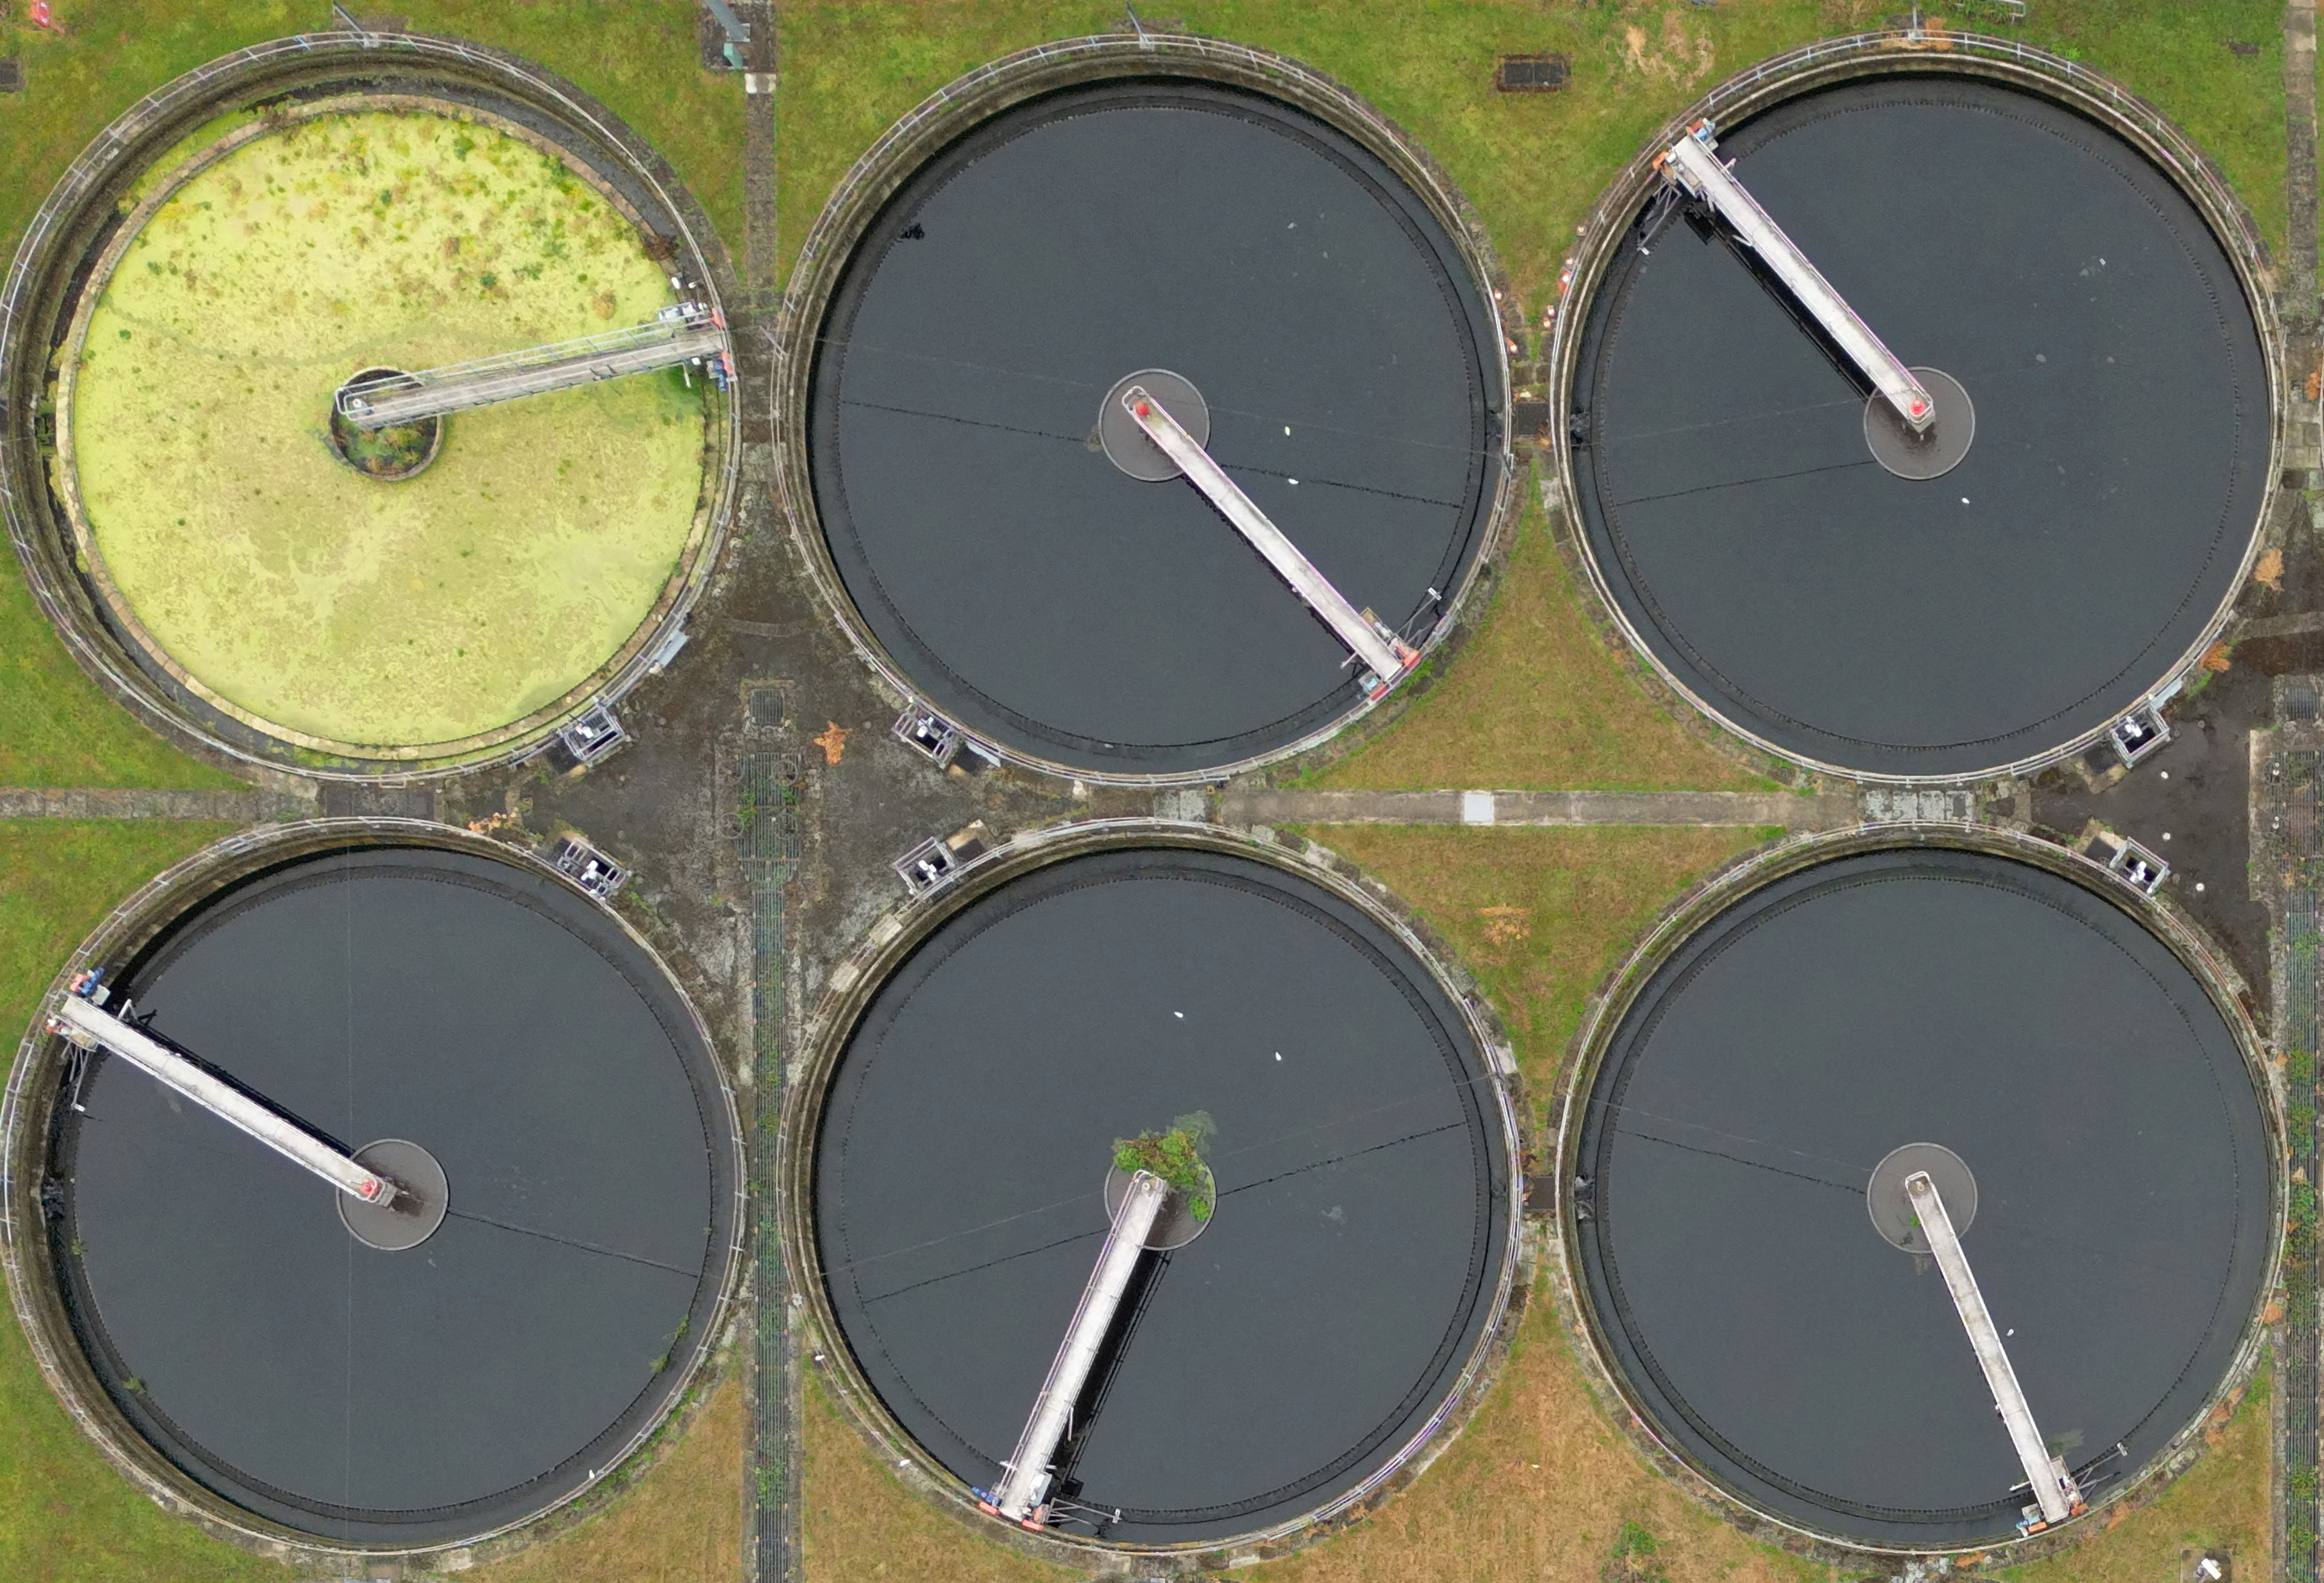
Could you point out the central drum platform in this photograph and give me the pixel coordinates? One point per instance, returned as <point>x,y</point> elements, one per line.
<point>1312,1335</point>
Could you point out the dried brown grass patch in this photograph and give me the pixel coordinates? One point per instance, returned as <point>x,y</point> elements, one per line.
<point>863,1525</point>
<point>680,1523</point>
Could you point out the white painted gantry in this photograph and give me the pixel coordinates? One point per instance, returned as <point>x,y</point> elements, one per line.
<point>79,1017</point>
<point>1388,655</point>
<point>2054,1489</point>
<point>682,335</point>
<point>1025,1477</point>
<point>1692,166</point>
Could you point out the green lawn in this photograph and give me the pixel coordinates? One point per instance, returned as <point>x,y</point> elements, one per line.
<point>59,728</point>
<point>66,1516</point>
<point>1542,1486</point>
<point>638,56</point>
<point>1539,915</point>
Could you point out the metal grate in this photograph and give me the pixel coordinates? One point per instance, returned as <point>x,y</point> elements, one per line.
<point>1532,74</point>
<point>588,868</point>
<point>11,77</point>
<point>595,733</point>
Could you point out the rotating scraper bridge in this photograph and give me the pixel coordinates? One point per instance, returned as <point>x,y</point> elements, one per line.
<point>693,333</point>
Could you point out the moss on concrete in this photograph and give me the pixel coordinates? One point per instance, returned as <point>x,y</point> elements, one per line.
<point>283,581</point>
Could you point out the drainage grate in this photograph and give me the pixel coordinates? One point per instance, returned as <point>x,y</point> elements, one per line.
<point>11,77</point>
<point>1532,74</point>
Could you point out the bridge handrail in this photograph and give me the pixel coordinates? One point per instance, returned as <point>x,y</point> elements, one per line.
<point>528,357</point>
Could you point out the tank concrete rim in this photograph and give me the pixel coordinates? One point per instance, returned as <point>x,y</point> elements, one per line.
<point>848,992</point>
<point>26,1112</point>
<point>1900,52</point>
<point>43,298</point>
<point>1611,1001</point>
<point>986,92</point>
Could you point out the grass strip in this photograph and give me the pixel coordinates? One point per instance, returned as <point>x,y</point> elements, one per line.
<point>863,1525</point>
<point>680,1521</point>
<point>1537,701</point>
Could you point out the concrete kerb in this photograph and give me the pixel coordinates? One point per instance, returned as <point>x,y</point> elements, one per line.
<point>847,993</point>
<point>27,1110</point>
<point>52,266</point>
<point>997,85</point>
<point>1611,1001</point>
<point>1933,52</point>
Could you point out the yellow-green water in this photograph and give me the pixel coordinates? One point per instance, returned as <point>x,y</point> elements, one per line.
<point>400,613</point>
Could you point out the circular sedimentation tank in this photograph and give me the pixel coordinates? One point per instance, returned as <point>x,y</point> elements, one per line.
<point>955,1142</point>
<point>2052,1051</point>
<point>225,550</point>
<point>1001,262</point>
<point>304,1370</point>
<point>2090,318</point>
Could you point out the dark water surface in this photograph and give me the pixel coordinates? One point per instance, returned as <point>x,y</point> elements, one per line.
<point>1323,1314</point>
<point>513,1031</point>
<point>2123,1221</point>
<point>2034,592</point>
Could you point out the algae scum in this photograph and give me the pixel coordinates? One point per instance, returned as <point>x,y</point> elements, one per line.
<point>277,578</point>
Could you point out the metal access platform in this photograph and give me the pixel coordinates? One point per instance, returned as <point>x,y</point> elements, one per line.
<point>1387,656</point>
<point>1025,1479</point>
<point>80,1018</point>
<point>687,334</point>
<point>1690,165</point>
<point>2056,1495</point>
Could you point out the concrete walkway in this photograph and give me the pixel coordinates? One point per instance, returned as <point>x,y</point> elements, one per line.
<point>1537,808</point>
<point>240,807</point>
